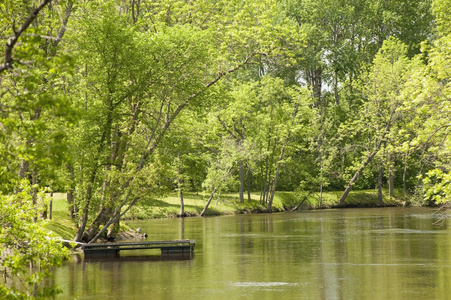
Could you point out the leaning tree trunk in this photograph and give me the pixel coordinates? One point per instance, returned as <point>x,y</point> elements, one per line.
<point>83,220</point>
<point>356,176</point>
<point>102,217</point>
<point>115,228</point>
<point>276,177</point>
<point>208,203</point>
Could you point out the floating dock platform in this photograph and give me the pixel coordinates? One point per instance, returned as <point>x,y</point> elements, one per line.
<point>166,247</point>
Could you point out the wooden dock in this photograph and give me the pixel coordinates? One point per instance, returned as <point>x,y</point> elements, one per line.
<point>166,247</point>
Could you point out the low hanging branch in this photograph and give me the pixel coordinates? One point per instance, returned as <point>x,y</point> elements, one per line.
<point>12,41</point>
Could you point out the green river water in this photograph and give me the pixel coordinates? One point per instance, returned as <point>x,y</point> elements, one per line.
<point>381,253</point>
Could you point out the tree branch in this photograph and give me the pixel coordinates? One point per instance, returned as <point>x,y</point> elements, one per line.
<point>12,41</point>
<point>64,22</point>
<point>222,74</point>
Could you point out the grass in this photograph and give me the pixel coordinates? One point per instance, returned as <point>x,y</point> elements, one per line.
<point>61,223</point>
<point>222,204</point>
<point>228,203</point>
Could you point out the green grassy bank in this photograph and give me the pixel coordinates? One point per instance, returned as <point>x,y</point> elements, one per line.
<point>222,204</point>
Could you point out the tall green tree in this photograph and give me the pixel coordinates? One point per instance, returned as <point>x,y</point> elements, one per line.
<point>433,91</point>
<point>343,36</point>
<point>134,81</point>
<point>383,86</point>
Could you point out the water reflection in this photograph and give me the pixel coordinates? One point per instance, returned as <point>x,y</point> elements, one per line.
<point>339,254</point>
<point>143,257</point>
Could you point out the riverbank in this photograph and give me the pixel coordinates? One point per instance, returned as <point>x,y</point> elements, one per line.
<point>228,204</point>
<point>223,204</point>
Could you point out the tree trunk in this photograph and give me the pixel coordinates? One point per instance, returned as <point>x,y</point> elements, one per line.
<point>103,216</point>
<point>248,176</point>
<point>180,185</point>
<point>82,224</point>
<point>336,95</point>
<point>51,206</point>
<point>391,184</point>
<point>263,195</point>
<point>34,196</point>
<point>23,170</point>
<point>83,220</point>
<point>356,176</point>
<point>279,160</point>
<point>321,181</point>
<point>265,182</point>
<point>391,180</point>
<point>300,203</point>
<point>314,79</point>
<point>208,203</point>
<point>404,175</point>
<point>70,193</point>
<point>116,217</point>
<point>276,177</point>
<point>182,203</point>
<point>379,186</point>
<point>114,229</point>
<point>273,189</point>
<point>241,181</point>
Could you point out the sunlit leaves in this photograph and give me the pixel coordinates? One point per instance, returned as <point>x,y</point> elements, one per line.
<point>437,186</point>
<point>24,244</point>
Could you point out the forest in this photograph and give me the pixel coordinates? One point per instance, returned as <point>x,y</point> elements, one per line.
<point>117,102</point>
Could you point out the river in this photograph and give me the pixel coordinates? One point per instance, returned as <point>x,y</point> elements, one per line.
<point>377,253</point>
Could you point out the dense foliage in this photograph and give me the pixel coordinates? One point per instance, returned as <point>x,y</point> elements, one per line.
<point>28,251</point>
<point>118,102</point>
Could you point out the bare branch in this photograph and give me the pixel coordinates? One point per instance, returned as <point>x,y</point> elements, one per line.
<point>63,24</point>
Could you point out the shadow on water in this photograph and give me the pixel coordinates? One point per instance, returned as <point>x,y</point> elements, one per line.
<point>78,258</point>
<point>132,258</point>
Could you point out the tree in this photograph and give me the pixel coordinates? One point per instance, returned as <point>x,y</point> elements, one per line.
<point>134,81</point>
<point>220,169</point>
<point>432,102</point>
<point>343,36</point>
<point>383,85</point>
<point>237,117</point>
<point>34,110</point>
